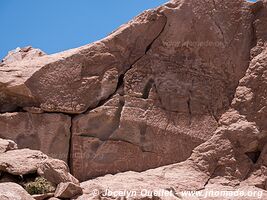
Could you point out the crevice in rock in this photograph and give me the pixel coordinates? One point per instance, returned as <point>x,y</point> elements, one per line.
<point>10,108</point>
<point>213,114</point>
<point>189,110</point>
<point>254,156</point>
<point>147,88</point>
<point>189,102</point>
<point>216,23</point>
<point>103,101</point>
<point>121,77</point>
<point>150,45</point>
<point>70,145</point>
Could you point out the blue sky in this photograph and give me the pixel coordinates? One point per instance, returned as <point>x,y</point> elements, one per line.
<point>57,25</point>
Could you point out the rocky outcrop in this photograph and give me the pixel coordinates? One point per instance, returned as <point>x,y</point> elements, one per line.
<point>135,136</point>
<point>171,98</point>
<point>181,88</point>
<point>68,190</point>
<point>47,132</point>
<point>19,54</point>
<point>178,181</point>
<point>232,159</point>
<point>13,191</point>
<point>21,163</point>
<point>83,76</point>
<point>56,171</point>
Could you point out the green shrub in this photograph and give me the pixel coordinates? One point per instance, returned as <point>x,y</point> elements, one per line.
<point>39,186</point>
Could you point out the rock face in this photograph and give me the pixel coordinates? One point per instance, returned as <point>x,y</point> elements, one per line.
<point>20,54</point>
<point>172,97</point>
<point>13,191</point>
<point>21,163</point>
<point>180,88</point>
<point>68,190</point>
<point>135,136</point>
<point>234,158</point>
<point>49,133</point>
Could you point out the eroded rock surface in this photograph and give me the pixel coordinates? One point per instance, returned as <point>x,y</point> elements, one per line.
<point>170,99</point>
<point>135,136</point>
<point>6,145</point>
<point>18,164</point>
<point>13,191</point>
<point>75,80</point>
<point>47,132</point>
<point>20,54</point>
<point>234,158</point>
<point>184,82</point>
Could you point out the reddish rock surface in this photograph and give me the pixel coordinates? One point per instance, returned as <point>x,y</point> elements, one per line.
<point>131,134</point>
<point>18,164</point>
<point>180,88</point>
<point>12,191</point>
<point>170,99</point>
<point>47,132</point>
<point>20,54</point>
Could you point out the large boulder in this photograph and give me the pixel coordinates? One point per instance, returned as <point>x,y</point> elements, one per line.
<point>47,132</point>
<point>183,82</point>
<point>68,190</point>
<point>78,79</point>
<point>22,165</point>
<point>19,54</point>
<point>170,100</point>
<point>6,145</point>
<point>56,171</point>
<point>13,191</point>
<point>21,161</point>
<point>234,158</point>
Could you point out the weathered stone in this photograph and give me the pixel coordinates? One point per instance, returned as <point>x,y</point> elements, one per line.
<point>169,182</point>
<point>56,171</point>
<point>21,161</point>
<point>19,54</point>
<point>172,96</point>
<point>79,79</point>
<point>6,145</point>
<point>49,133</point>
<point>135,136</point>
<point>42,196</point>
<point>26,161</point>
<point>13,191</point>
<point>68,190</point>
<point>185,81</point>
<point>225,161</point>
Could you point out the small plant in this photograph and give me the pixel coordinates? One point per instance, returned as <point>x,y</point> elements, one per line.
<point>39,186</point>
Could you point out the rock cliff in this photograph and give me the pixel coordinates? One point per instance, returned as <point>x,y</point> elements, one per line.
<point>179,91</point>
